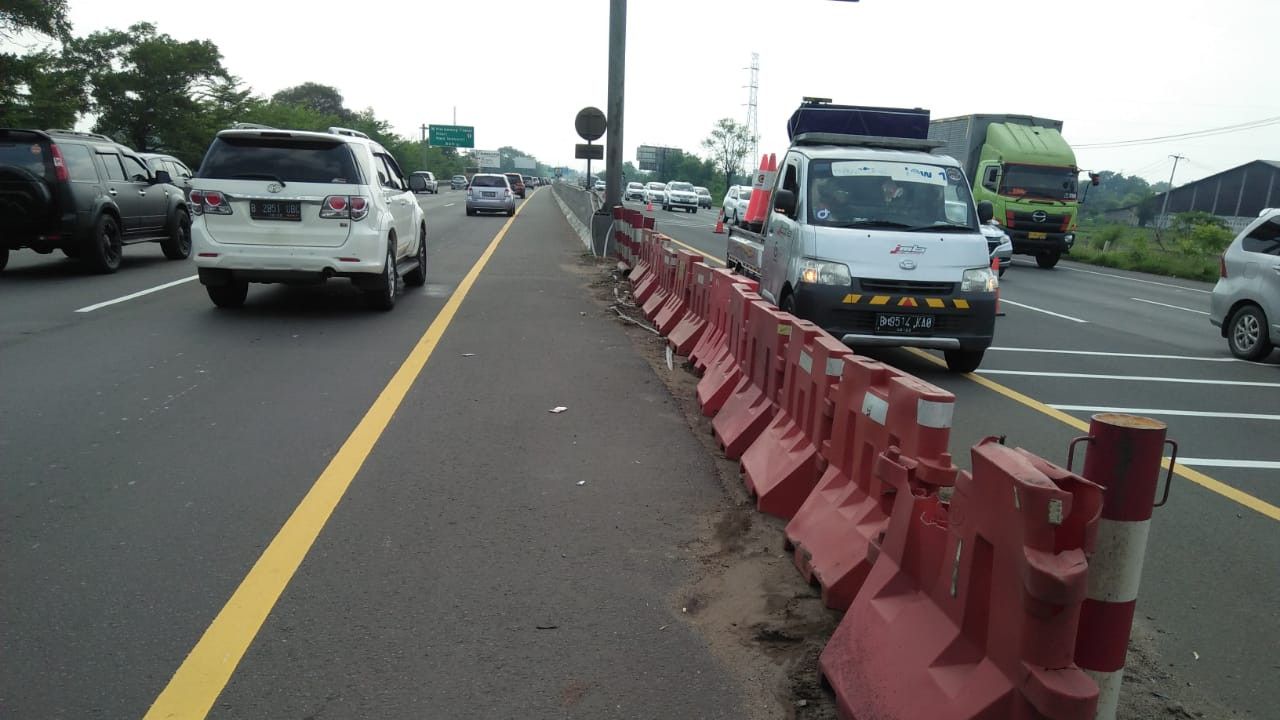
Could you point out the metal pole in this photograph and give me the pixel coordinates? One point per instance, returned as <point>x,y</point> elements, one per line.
<point>1125,456</point>
<point>617,74</point>
<point>455,114</point>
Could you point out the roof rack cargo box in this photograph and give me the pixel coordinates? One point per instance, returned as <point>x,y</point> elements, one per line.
<point>821,118</point>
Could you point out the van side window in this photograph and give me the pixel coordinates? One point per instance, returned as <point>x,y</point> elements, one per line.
<point>111,164</point>
<point>1264,239</point>
<point>79,163</point>
<point>791,181</point>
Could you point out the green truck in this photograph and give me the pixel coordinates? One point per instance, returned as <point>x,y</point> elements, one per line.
<point>1023,166</point>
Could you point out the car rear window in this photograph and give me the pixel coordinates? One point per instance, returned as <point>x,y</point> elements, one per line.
<point>487,181</point>
<point>1264,239</point>
<point>27,154</point>
<point>79,163</point>
<point>304,161</point>
<point>515,179</point>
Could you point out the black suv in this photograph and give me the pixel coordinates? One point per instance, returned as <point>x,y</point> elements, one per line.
<point>87,196</point>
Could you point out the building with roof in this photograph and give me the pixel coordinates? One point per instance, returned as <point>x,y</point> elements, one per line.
<point>1237,195</point>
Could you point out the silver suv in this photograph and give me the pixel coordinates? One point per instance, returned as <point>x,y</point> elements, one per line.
<point>289,206</point>
<point>1246,301</point>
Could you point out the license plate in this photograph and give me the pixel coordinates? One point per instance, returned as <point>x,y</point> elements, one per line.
<point>489,194</point>
<point>905,324</point>
<point>275,210</point>
<point>1037,236</point>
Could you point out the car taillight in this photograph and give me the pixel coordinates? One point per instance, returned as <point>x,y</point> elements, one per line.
<point>344,207</point>
<point>1222,265</point>
<point>59,165</point>
<point>509,193</point>
<point>209,201</point>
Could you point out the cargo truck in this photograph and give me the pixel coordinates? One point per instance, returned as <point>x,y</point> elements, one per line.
<point>1023,166</point>
<point>872,237</point>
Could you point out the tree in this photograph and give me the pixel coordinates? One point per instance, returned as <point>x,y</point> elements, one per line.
<point>322,99</point>
<point>46,17</point>
<point>728,144</point>
<point>147,86</point>
<point>44,89</point>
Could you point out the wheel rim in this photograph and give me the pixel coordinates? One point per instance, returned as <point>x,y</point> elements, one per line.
<point>1246,332</point>
<point>110,244</point>
<point>422,254</point>
<point>184,235</point>
<point>393,275</point>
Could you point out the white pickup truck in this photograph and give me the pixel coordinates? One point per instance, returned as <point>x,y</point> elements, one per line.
<point>873,238</point>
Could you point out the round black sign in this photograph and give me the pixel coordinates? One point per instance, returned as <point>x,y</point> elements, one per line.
<point>590,123</point>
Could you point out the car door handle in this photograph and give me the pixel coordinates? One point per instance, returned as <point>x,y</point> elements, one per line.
<point>112,192</point>
<point>142,193</point>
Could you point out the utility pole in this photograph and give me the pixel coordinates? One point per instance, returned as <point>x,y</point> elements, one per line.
<point>1164,211</point>
<point>753,130</point>
<point>455,114</point>
<point>617,75</point>
<point>424,132</point>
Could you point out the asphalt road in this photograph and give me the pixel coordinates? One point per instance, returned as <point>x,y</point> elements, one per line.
<point>306,509</point>
<point>1081,340</point>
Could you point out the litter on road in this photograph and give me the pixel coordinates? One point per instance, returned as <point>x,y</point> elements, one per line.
<point>558,409</point>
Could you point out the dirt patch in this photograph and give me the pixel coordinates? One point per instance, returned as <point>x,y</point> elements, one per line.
<point>573,692</point>
<point>755,610</point>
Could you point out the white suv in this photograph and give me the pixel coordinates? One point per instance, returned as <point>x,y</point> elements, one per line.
<point>735,204</point>
<point>292,206</point>
<point>681,195</point>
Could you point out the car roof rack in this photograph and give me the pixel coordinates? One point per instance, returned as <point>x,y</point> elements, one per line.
<point>250,126</point>
<point>77,133</point>
<point>348,132</point>
<point>872,141</point>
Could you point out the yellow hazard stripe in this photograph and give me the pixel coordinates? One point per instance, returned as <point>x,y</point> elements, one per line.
<point>935,302</point>
<point>852,299</point>
<point>961,304</point>
<point>880,300</point>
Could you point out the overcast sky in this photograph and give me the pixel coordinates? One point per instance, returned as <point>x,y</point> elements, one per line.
<point>519,70</point>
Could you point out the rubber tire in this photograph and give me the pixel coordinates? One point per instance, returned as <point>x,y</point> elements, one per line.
<point>417,277</point>
<point>963,361</point>
<point>511,213</point>
<point>383,296</point>
<point>694,211</point>
<point>1262,346</point>
<point>99,255</point>
<point>178,245</point>
<point>4,258</point>
<point>471,213</point>
<point>737,221</point>
<point>1001,274</point>
<point>1048,261</point>
<point>71,252</point>
<point>228,296</point>
<point>788,304</point>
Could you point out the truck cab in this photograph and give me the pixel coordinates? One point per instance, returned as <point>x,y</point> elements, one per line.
<point>877,241</point>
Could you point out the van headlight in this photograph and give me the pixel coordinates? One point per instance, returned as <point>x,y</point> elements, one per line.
<point>979,280</point>
<point>817,272</point>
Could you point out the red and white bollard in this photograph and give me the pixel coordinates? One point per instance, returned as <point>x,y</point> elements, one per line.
<point>1124,456</point>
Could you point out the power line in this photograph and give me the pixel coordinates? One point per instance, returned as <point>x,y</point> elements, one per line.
<point>1195,134</point>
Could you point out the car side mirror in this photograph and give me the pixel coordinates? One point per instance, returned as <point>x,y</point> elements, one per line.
<point>986,211</point>
<point>162,178</point>
<point>784,201</point>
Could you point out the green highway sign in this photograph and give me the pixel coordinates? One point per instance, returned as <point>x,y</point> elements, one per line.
<point>463,136</point>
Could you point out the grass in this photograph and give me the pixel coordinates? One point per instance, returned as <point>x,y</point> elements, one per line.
<point>1131,248</point>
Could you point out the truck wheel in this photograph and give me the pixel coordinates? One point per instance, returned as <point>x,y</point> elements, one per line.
<point>178,245</point>
<point>1048,261</point>
<point>788,304</point>
<point>963,361</point>
<point>231,295</point>
<point>1247,334</point>
<point>105,249</point>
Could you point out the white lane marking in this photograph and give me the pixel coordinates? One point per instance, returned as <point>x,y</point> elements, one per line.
<point>1137,378</point>
<point>1211,462</point>
<point>1154,411</point>
<point>1041,310</point>
<point>1175,307</point>
<point>140,293</point>
<point>1146,356</point>
<point>448,204</point>
<point>1130,279</point>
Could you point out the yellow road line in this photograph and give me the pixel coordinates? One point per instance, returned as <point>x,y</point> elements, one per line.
<point>196,684</point>
<point>1216,486</point>
<point>703,253</point>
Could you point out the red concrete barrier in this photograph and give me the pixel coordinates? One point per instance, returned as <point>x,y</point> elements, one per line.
<point>677,304</point>
<point>783,465</point>
<point>686,334</point>
<point>970,611</point>
<point>723,373</point>
<point>876,407</point>
<point>754,401</point>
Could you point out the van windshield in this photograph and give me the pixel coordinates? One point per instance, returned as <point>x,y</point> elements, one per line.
<point>877,193</point>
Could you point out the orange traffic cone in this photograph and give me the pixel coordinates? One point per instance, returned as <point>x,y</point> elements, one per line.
<point>719,223</point>
<point>648,206</point>
<point>995,268</point>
